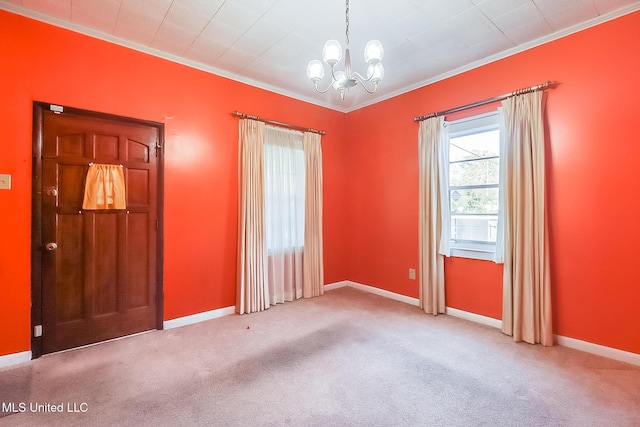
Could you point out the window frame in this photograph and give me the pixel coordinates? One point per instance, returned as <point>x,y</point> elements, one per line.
<point>464,127</point>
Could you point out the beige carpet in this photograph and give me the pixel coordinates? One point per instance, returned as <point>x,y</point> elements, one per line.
<point>347,358</point>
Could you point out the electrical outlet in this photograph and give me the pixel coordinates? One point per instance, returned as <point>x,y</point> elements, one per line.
<point>5,181</point>
<point>412,274</point>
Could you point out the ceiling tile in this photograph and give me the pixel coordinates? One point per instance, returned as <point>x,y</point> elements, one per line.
<point>437,10</point>
<point>605,6</point>
<point>269,42</point>
<point>564,13</point>
<point>523,24</point>
<point>173,38</point>
<point>233,60</point>
<point>101,16</point>
<point>493,9</point>
<point>59,9</point>
<point>241,19</point>
<point>139,22</point>
<point>475,28</point>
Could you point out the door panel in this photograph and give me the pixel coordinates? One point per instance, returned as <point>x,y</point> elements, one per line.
<point>99,273</point>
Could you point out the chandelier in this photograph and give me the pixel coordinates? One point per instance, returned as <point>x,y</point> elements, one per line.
<point>342,81</point>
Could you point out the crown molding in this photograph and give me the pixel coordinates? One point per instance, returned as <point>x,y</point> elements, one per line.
<point>19,10</point>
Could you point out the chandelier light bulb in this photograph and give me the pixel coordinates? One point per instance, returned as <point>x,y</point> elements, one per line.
<point>373,51</point>
<point>340,79</point>
<point>375,72</point>
<point>332,52</point>
<point>315,71</point>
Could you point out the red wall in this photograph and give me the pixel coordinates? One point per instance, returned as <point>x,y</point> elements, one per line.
<point>370,172</point>
<point>44,63</point>
<point>592,170</point>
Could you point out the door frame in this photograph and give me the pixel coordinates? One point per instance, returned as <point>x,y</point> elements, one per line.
<point>37,247</point>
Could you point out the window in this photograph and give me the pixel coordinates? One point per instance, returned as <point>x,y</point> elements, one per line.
<point>284,173</point>
<point>474,169</point>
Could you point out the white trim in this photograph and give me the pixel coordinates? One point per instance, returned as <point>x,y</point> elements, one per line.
<point>384,293</point>
<point>599,350</point>
<point>19,10</point>
<point>15,358</point>
<point>473,317</point>
<point>336,285</point>
<point>198,317</point>
<point>472,254</point>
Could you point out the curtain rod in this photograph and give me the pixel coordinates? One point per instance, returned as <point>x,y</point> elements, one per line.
<point>273,122</point>
<point>545,85</point>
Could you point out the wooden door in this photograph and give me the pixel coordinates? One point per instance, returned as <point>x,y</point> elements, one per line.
<point>99,268</point>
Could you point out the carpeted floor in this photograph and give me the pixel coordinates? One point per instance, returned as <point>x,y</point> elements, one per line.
<point>347,358</point>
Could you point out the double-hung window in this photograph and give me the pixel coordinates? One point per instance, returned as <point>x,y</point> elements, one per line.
<point>474,169</point>
<point>284,193</point>
<point>284,173</point>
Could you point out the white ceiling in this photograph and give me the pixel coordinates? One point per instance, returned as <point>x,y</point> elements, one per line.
<point>268,43</point>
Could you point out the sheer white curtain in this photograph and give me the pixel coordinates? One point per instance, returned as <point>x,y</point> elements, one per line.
<point>433,223</point>
<point>284,169</point>
<point>280,250</point>
<point>313,244</point>
<point>253,290</point>
<point>526,311</point>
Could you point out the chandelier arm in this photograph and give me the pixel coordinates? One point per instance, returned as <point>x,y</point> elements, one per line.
<point>364,82</point>
<point>360,78</point>
<point>333,75</point>
<point>321,90</point>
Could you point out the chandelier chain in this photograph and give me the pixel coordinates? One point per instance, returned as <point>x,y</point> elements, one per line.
<point>347,27</point>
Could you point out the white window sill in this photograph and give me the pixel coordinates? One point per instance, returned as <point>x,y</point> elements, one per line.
<point>473,253</point>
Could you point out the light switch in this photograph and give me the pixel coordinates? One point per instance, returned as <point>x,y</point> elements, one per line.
<point>5,181</point>
<point>412,274</point>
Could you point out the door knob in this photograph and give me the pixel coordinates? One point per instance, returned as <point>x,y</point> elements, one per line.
<point>51,246</point>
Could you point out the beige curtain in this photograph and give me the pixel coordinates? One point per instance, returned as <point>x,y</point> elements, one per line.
<point>313,267</point>
<point>104,187</point>
<point>253,292</point>
<point>526,311</point>
<point>431,199</point>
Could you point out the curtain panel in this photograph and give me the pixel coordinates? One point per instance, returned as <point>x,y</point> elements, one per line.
<point>313,245</point>
<point>526,313</point>
<point>280,247</point>
<point>104,187</point>
<point>253,292</point>
<point>433,197</point>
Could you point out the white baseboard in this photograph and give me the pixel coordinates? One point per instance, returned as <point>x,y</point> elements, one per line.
<point>599,350</point>
<point>336,285</point>
<point>383,293</point>
<point>477,318</point>
<point>199,317</point>
<point>15,358</point>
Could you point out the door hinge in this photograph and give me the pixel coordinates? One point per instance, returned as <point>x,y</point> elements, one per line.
<point>157,225</point>
<point>37,331</point>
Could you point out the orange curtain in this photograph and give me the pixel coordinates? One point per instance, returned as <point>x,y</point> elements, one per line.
<point>104,187</point>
